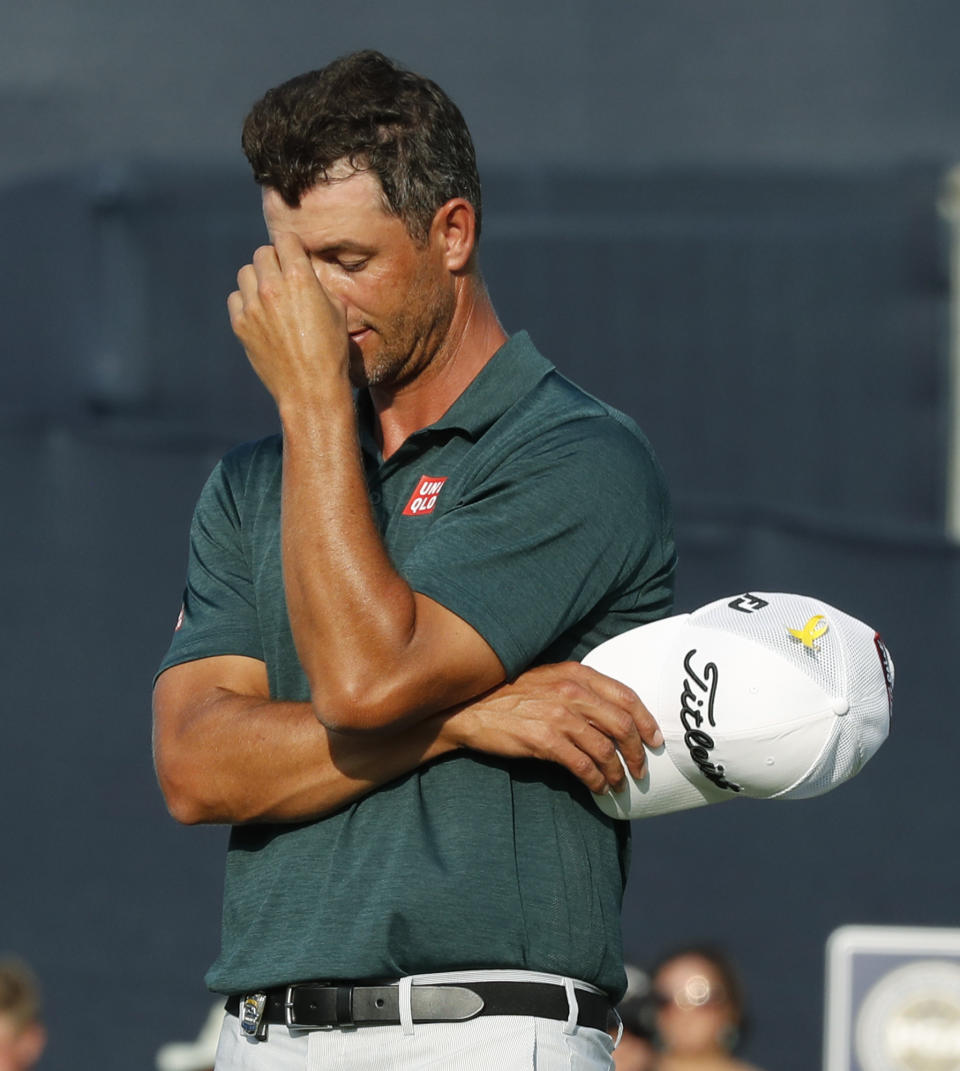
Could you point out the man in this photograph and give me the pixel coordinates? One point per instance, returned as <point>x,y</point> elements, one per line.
<point>22,1034</point>
<point>349,684</point>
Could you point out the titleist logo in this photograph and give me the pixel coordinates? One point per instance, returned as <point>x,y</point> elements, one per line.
<point>699,691</point>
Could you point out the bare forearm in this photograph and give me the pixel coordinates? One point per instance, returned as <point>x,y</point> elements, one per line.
<point>237,759</point>
<point>378,656</point>
<point>352,615</point>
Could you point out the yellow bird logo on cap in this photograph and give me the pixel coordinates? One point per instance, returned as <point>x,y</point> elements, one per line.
<point>812,630</point>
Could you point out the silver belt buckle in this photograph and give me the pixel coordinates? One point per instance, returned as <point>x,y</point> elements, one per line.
<point>251,1014</point>
<point>288,1014</point>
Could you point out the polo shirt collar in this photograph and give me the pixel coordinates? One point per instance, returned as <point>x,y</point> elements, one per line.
<point>513,371</point>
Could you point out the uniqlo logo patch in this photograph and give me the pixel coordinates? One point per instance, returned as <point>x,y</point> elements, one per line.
<point>424,499</point>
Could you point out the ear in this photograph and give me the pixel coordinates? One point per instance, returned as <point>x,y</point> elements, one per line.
<point>454,230</point>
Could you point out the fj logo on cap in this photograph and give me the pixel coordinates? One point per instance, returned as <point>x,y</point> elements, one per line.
<point>748,604</point>
<point>424,498</point>
<point>812,630</point>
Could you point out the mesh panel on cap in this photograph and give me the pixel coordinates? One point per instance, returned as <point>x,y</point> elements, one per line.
<point>844,662</point>
<point>826,664</point>
<point>864,728</point>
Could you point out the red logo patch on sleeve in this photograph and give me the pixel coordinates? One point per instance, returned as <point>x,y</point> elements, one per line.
<point>424,498</point>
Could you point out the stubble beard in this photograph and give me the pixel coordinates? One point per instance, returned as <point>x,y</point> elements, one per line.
<point>408,343</point>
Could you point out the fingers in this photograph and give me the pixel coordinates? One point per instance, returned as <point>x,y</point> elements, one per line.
<point>566,713</point>
<point>594,759</point>
<point>599,726</point>
<point>280,287</point>
<point>617,718</point>
<point>615,711</point>
<point>625,699</point>
<point>285,254</point>
<point>235,308</point>
<point>289,252</point>
<point>249,277</point>
<point>248,284</point>
<point>266,263</point>
<point>599,768</point>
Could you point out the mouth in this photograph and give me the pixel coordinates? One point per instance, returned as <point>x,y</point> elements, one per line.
<point>360,335</point>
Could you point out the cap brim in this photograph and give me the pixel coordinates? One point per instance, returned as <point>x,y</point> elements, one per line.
<point>636,658</point>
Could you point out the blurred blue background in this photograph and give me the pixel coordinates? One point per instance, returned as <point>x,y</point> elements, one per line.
<point>720,215</point>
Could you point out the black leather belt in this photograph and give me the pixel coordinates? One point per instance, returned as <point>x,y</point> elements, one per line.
<point>319,1005</point>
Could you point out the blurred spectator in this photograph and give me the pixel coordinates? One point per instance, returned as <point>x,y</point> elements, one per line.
<point>699,1011</point>
<point>197,1055</point>
<point>22,1034</point>
<point>635,1052</point>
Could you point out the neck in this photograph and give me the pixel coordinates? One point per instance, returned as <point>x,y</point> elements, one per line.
<point>473,338</point>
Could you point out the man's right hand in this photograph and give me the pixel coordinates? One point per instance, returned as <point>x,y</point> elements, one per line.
<point>565,713</point>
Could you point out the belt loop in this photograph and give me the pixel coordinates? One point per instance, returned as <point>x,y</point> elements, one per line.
<point>619,1027</point>
<point>406,1009</point>
<point>570,1026</point>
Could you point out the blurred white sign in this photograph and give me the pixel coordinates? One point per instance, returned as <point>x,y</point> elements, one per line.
<point>892,999</point>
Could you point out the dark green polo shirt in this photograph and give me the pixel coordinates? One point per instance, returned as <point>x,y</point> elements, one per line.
<point>540,516</point>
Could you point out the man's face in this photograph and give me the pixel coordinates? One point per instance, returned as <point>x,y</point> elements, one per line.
<point>398,295</point>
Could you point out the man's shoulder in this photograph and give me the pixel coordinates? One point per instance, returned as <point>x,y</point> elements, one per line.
<point>579,404</point>
<point>558,412</point>
<point>251,463</point>
<point>546,394</point>
<point>249,473</point>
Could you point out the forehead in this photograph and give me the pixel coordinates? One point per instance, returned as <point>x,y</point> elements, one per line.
<point>349,204</point>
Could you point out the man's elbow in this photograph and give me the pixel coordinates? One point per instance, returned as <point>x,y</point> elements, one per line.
<point>183,807</point>
<point>186,811</point>
<point>186,793</point>
<point>361,707</point>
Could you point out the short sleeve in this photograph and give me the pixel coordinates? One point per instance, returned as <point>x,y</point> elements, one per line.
<point>569,521</point>
<point>219,613</point>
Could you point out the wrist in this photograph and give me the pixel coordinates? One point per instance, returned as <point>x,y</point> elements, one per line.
<point>316,415</point>
<point>454,729</point>
<point>317,402</point>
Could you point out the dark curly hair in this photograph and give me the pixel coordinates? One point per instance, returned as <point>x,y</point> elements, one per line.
<point>379,117</point>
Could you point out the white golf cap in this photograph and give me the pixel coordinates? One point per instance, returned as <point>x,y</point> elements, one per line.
<point>760,695</point>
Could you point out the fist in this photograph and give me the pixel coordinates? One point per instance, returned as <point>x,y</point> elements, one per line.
<point>293,331</point>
